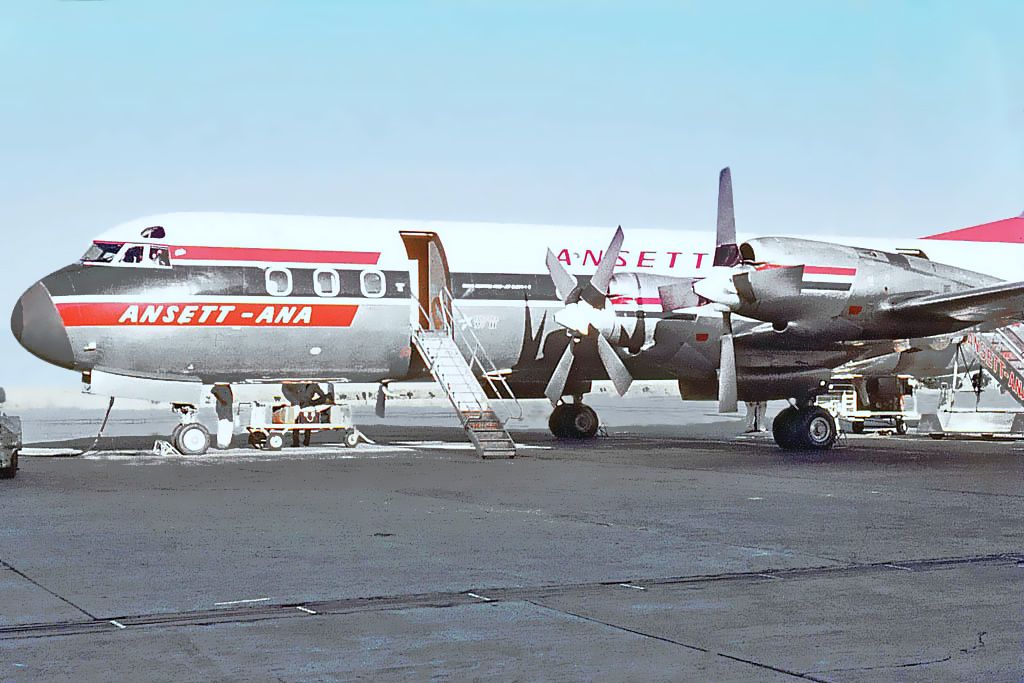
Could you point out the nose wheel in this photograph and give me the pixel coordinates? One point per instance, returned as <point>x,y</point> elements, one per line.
<point>809,428</point>
<point>573,421</point>
<point>189,437</point>
<point>192,439</point>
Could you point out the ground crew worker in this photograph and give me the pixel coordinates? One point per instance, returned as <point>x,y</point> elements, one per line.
<point>756,416</point>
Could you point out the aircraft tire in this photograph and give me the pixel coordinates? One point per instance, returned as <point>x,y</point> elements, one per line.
<point>558,422</point>
<point>574,421</point>
<point>584,422</point>
<point>817,429</point>
<point>811,429</point>
<point>12,470</point>
<point>192,439</point>
<point>784,429</point>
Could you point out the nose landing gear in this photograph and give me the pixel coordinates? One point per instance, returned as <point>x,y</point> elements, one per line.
<point>809,427</point>
<point>190,437</point>
<point>573,421</point>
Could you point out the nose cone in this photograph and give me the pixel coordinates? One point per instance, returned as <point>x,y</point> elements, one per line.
<point>36,324</point>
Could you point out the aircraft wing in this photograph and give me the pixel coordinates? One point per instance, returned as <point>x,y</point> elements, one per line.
<point>1001,303</point>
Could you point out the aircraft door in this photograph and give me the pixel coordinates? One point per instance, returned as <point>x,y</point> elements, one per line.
<point>429,278</point>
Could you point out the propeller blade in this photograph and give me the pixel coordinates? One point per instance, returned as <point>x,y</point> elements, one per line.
<point>726,251</point>
<point>381,401</point>
<point>564,281</point>
<point>603,276</point>
<point>678,295</point>
<point>727,369</point>
<point>617,371</point>
<point>556,385</point>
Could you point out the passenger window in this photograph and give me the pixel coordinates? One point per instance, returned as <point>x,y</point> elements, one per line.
<point>371,282</point>
<point>326,282</point>
<point>278,281</point>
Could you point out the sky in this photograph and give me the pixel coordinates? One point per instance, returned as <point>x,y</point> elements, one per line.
<point>865,118</point>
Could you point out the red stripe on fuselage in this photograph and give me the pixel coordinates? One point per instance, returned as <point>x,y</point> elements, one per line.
<point>829,270</point>
<point>108,314</point>
<point>203,253</point>
<point>814,270</point>
<point>641,301</point>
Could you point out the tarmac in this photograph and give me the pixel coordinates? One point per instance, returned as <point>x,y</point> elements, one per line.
<point>652,553</point>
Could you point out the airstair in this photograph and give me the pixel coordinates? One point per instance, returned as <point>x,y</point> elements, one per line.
<point>441,347</point>
<point>1000,353</point>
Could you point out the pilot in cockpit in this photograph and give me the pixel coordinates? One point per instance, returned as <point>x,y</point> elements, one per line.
<point>132,255</point>
<point>159,256</point>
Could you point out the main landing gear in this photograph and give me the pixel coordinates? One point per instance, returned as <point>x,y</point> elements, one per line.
<point>808,427</point>
<point>190,437</point>
<point>573,421</point>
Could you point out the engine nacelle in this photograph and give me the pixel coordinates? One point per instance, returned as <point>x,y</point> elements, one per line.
<point>633,297</point>
<point>785,280</point>
<point>759,385</point>
<point>638,291</point>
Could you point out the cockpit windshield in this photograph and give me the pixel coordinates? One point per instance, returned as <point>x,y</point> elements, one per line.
<point>102,252</point>
<point>127,254</point>
<point>160,256</point>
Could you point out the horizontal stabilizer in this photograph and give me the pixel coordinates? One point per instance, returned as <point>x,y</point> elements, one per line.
<point>1002,303</point>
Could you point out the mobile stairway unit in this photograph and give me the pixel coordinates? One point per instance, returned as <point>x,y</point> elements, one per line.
<point>441,347</point>
<point>1000,355</point>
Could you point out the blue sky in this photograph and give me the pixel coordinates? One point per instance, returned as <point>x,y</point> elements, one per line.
<point>844,117</point>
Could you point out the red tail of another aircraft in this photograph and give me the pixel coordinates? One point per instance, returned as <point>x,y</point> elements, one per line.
<point>1009,230</point>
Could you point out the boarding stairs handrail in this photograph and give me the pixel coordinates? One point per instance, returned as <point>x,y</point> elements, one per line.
<point>1010,336</point>
<point>449,318</point>
<point>448,365</point>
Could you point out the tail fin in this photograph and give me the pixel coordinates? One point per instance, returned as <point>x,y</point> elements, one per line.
<point>1009,230</point>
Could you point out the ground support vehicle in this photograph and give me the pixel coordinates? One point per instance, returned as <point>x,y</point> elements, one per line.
<point>269,424</point>
<point>863,402</point>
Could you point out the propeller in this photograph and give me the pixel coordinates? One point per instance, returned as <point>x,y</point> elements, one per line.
<point>727,255</point>
<point>586,316</point>
<point>727,368</point>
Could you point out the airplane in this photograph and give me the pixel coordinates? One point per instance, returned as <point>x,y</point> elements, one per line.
<point>166,307</point>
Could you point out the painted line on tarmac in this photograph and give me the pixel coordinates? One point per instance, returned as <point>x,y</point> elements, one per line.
<point>896,566</point>
<point>239,602</point>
